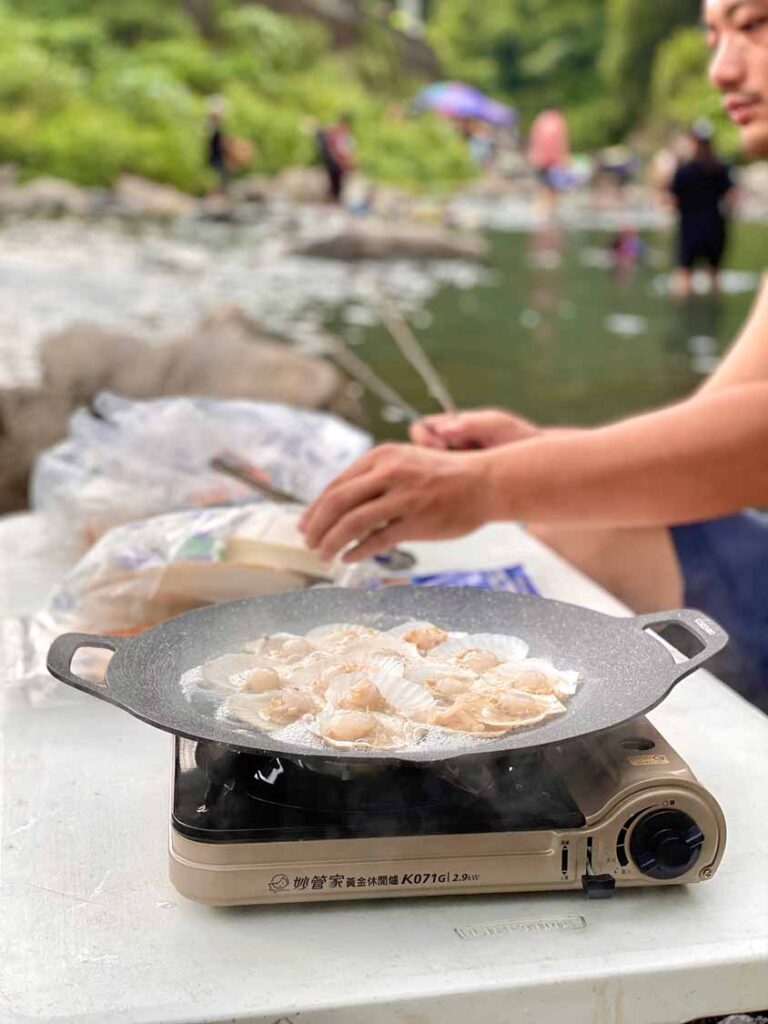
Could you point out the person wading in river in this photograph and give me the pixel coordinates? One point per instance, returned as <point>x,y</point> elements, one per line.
<point>650,506</point>
<point>701,188</point>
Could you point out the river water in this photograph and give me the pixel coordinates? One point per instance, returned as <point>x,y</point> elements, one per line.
<point>548,328</point>
<point>560,337</point>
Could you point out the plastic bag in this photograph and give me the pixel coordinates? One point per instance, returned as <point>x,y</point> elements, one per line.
<point>126,460</point>
<point>142,573</point>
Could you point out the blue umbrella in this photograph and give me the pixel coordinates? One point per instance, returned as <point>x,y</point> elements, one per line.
<point>462,101</point>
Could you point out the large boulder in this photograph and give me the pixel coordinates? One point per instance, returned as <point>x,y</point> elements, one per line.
<point>373,239</point>
<point>140,197</point>
<point>85,358</point>
<point>30,421</point>
<point>227,355</point>
<point>44,196</point>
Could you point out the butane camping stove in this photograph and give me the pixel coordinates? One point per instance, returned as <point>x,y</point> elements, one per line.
<point>619,808</point>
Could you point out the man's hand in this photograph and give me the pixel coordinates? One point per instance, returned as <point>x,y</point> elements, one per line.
<point>478,428</point>
<point>397,492</point>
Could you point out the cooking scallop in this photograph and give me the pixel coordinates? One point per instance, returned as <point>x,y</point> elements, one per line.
<point>353,686</point>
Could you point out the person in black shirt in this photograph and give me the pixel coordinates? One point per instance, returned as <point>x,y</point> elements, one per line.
<point>700,188</point>
<point>217,148</point>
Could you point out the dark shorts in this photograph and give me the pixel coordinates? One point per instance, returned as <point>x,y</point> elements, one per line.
<point>336,175</point>
<point>725,569</point>
<point>547,176</point>
<point>701,247</point>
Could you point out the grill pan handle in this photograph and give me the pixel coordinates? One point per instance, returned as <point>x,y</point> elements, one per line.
<point>697,625</point>
<point>63,650</point>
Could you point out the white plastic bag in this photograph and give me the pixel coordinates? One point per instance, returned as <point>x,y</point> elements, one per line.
<point>142,573</point>
<point>126,460</point>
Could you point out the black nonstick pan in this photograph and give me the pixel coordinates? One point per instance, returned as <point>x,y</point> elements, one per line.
<point>625,670</point>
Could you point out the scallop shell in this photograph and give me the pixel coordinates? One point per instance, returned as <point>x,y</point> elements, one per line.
<point>443,679</point>
<point>228,672</point>
<point>317,676</point>
<point>382,678</point>
<point>271,710</point>
<point>536,675</point>
<point>350,730</point>
<point>506,648</point>
<point>403,693</point>
<point>509,709</point>
<point>338,636</point>
<point>286,648</point>
<point>381,645</point>
<point>463,716</point>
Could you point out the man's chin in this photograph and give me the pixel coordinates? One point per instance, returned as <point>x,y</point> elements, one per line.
<point>754,139</point>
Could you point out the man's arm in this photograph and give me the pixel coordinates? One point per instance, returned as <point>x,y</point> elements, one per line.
<point>705,457</point>
<point>747,359</point>
<point>702,458</point>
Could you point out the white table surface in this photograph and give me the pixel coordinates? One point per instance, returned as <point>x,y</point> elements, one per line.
<point>91,929</point>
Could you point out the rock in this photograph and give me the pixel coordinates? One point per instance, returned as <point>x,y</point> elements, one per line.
<point>85,358</point>
<point>229,356</point>
<point>45,196</point>
<point>376,240</point>
<point>301,185</point>
<point>30,421</point>
<point>253,188</point>
<point>8,175</point>
<point>139,196</point>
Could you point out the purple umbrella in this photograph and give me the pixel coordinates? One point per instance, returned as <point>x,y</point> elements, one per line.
<point>456,99</point>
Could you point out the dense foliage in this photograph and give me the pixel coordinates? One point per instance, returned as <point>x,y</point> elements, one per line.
<point>614,66</point>
<point>90,88</point>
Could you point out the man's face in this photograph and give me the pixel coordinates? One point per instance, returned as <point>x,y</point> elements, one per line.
<point>737,34</point>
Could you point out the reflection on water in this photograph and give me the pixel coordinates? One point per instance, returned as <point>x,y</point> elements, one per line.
<point>563,335</point>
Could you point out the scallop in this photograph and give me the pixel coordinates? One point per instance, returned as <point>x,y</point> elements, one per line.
<point>228,672</point>
<point>316,677</point>
<point>447,688</point>
<point>354,691</point>
<point>442,679</point>
<point>423,635</point>
<point>364,730</point>
<point>477,660</point>
<point>282,647</point>
<point>509,710</point>
<point>505,648</point>
<point>536,675</point>
<point>260,680</point>
<point>463,716</point>
<point>271,710</point>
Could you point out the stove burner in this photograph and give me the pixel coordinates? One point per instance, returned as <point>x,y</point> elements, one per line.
<point>222,795</point>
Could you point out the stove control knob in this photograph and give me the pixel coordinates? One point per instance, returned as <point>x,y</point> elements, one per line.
<point>665,843</point>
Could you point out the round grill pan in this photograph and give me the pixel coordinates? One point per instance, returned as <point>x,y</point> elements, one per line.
<point>625,670</point>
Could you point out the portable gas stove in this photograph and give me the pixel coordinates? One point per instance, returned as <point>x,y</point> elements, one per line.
<point>619,808</point>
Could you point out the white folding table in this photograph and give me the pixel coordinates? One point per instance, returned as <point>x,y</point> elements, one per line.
<point>91,929</point>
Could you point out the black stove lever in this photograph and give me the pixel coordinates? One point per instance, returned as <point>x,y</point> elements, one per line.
<point>598,887</point>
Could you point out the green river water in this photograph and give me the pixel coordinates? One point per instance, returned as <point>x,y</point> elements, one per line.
<point>560,337</point>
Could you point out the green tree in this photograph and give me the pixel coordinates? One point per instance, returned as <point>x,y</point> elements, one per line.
<point>635,30</point>
<point>680,91</point>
